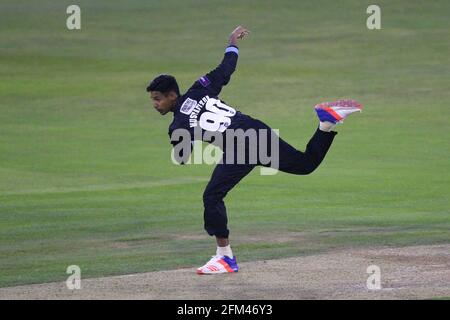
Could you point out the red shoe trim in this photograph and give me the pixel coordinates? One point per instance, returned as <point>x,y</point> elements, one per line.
<point>227,267</point>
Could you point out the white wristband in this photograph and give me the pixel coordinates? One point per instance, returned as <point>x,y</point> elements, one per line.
<point>232,49</point>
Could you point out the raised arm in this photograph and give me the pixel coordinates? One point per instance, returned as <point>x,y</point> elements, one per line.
<point>220,76</point>
<point>238,33</point>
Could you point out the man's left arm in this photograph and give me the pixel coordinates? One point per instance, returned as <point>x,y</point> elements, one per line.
<point>220,76</point>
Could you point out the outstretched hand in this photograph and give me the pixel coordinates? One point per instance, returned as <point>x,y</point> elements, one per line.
<point>238,33</point>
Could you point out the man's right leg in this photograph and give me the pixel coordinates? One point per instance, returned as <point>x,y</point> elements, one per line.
<point>294,161</point>
<point>224,178</point>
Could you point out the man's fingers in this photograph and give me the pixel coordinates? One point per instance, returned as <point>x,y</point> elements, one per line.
<point>242,33</point>
<point>238,33</point>
<point>240,30</point>
<point>245,31</point>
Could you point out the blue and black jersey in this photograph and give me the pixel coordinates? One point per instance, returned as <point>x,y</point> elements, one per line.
<point>200,107</point>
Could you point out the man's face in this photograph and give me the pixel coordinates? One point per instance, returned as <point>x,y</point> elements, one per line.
<point>163,103</point>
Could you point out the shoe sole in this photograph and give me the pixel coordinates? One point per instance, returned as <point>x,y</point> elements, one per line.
<point>212,273</point>
<point>341,104</point>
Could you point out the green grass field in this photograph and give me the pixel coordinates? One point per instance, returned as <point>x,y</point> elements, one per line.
<point>85,170</point>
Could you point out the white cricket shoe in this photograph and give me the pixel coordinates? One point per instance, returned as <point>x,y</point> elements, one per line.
<point>337,111</point>
<point>219,264</point>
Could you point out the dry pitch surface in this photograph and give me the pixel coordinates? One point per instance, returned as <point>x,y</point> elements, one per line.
<point>419,272</point>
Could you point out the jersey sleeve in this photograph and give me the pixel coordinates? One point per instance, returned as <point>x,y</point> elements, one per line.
<point>220,76</point>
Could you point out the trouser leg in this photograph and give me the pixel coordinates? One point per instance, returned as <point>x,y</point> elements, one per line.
<point>223,179</point>
<point>294,161</point>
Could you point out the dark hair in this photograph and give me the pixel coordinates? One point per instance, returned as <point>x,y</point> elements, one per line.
<point>164,83</point>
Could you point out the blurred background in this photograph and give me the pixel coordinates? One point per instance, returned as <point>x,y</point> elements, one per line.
<point>85,170</point>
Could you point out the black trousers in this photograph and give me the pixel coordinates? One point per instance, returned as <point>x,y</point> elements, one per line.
<point>226,175</point>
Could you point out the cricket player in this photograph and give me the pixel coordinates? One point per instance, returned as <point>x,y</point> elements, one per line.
<point>201,108</point>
